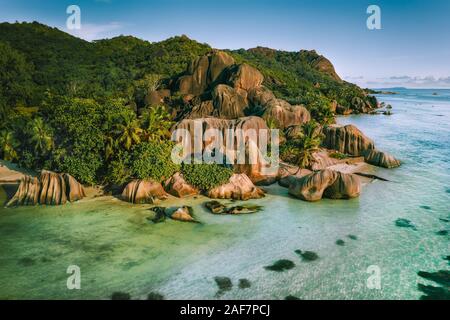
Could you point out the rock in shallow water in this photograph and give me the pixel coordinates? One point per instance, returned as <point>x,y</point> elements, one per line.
<point>184,214</point>
<point>325,184</point>
<point>155,296</point>
<point>244,284</point>
<point>218,208</point>
<point>281,265</point>
<point>307,255</point>
<point>381,159</point>
<point>405,223</point>
<point>120,296</point>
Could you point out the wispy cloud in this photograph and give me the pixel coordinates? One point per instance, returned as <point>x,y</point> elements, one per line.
<point>92,31</point>
<point>402,81</point>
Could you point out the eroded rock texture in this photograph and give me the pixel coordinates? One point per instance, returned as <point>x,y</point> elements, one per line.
<point>239,187</point>
<point>143,191</point>
<point>245,130</point>
<point>325,184</point>
<point>346,139</point>
<point>178,187</point>
<point>381,159</point>
<point>50,188</point>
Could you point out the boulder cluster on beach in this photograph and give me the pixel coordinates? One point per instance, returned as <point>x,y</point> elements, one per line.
<point>224,95</point>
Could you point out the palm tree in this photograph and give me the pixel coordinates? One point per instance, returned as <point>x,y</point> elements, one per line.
<point>111,145</point>
<point>308,142</point>
<point>156,122</point>
<point>129,132</point>
<point>8,145</point>
<point>40,136</point>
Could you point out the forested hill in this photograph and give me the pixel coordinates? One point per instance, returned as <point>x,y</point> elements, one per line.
<point>35,59</point>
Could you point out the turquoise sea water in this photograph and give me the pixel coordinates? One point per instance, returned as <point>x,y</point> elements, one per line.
<point>117,249</point>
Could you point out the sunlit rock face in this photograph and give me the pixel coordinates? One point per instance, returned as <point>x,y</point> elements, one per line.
<point>240,144</point>
<point>49,188</point>
<point>346,139</point>
<point>325,184</point>
<point>144,191</point>
<point>239,187</point>
<point>381,159</point>
<point>178,187</point>
<point>215,86</point>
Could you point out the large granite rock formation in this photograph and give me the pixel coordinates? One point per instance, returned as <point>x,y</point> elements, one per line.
<point>346,139</point>
<point>229,103</point>
<point>325,184</point>
<point>381,159</point>
<point>178,187</point>
<point>239,187</point>
<point>245,77</point>
<point>203,72</point>
<point>50,188</point>
<point>285,114</point>
<point>215,86</point>
<point>249,127</point>
<point>143,191</point>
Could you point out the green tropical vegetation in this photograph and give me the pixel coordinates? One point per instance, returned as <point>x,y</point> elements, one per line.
<point>299,150</point>
<point>206,176</point>
<point>81,107</point>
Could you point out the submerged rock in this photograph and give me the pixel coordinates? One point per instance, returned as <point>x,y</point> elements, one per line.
<point>183,214</point>
<point>144,191</point>
<point>50,188</point>
<point>120,296</point>
<point>352,237</point>
<point>381,159</point>
<point>291,298</point>
<point>425,207</point>
<point>405,223</point>
<point>244,284</point>
<point>178,187</point>
<point>239,187</point>
<point>441,277</point>
<point>340,242</point>
<point>281,265</point>
<point>224,284</point>
<point>325,184</point>
<point>155,296</point>
<point>433,293</point>
<point>307,255</point>
<point>442,233</point>
<point>218,208</point>
<point>160,214</point>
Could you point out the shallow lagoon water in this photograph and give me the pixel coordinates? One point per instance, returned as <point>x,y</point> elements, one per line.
<point>118,249</point>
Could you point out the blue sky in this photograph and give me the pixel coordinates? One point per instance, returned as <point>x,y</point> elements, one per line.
<point>412,49</point>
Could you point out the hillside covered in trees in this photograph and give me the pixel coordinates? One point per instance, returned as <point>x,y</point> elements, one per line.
<point>86,108</point>
<point>36,58</point>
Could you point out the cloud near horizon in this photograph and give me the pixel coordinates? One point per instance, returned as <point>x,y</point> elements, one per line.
<point>402,81</point>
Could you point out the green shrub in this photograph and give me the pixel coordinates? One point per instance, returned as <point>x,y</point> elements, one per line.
<point>206,176</point>
<point>338,155</point>
<point>119,170</point>
<point>152,160</point>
